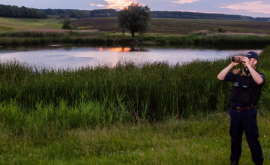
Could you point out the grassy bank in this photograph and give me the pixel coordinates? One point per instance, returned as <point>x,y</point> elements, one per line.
<point>193,141</point>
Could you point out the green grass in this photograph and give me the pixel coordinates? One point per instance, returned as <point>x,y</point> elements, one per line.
<point>193,141</point>
<point>19,24</point>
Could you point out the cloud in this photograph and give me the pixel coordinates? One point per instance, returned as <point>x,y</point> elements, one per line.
<point>98,5</point>
<point>118,4</point>
<point>114,4</point>
<point>185,1</point>
<point>254,7</point>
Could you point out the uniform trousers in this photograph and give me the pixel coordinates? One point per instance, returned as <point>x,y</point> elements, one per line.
<point>245,121</point>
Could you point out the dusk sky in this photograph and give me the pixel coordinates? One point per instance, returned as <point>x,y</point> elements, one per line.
<point>259,8</point>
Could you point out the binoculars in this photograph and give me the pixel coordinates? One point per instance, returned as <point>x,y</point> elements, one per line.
<point>236,59</point>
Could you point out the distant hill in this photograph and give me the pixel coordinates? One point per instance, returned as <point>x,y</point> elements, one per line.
<point>155,14</point>
<point>20,12</point>
<point>72,13</point>
<point>195,15</point>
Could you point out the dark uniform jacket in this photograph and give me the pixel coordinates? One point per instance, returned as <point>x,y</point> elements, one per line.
<point>245,91</point>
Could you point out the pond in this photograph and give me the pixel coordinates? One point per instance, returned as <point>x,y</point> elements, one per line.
<point>56,56</point>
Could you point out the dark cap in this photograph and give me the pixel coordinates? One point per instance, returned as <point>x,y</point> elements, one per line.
<point>252,54</point>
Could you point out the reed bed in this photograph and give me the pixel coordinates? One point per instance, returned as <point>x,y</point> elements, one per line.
<point>97,38</point>
<point>33,97</point>
<point>152,90</point>
<point>48,33</point>
<point>70,38</point>
<point>213,41</point>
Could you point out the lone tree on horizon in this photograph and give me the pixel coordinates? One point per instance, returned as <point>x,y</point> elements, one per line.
<point>135,18</point>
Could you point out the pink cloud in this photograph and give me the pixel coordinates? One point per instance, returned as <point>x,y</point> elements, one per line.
<point>255,7</point>
<point>118,4</point>
<point>185,1</point>
<point>114,4</point>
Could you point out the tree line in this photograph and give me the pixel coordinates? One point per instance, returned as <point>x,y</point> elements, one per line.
<point>154,14</point>
<point>195,15</point>
<point>20,12</point>
<point>71,13</point>
<point>24,12</point>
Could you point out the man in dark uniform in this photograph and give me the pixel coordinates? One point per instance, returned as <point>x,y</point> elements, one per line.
<point>245,93</point>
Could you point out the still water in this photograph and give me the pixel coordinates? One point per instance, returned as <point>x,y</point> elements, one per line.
<point>73,57</point>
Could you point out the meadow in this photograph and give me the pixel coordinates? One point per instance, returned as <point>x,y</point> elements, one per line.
<point>178,26</point>
<point>19,24</point>
<point>152,113</point>
<point>158,25</point>
<point>105,32</point>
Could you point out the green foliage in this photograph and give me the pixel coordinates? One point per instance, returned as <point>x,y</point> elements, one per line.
<point>123,20</point>
<point>61,16</point>
<point>67,24</point>
<point>71,13</point>
<point>103,13</point>
<point>33,34</point>
<point>78,14</point>
<point>20,12</point>
<point>221,30</point>
<point>135,18</point>
<point>264,67</point>
<point>154,14</point>
<point>208,16</point>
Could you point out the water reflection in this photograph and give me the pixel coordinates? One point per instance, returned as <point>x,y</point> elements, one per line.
<point>120,49</point>
<point>126,49</point>
<point>63,57</point>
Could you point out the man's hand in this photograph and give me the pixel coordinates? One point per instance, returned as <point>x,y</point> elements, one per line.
<point>234,63</point>
<point>245,61</point>
<point>250,64</point>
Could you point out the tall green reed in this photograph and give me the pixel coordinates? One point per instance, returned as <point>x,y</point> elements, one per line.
<point>150,90</point>
<point>90,96</point>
